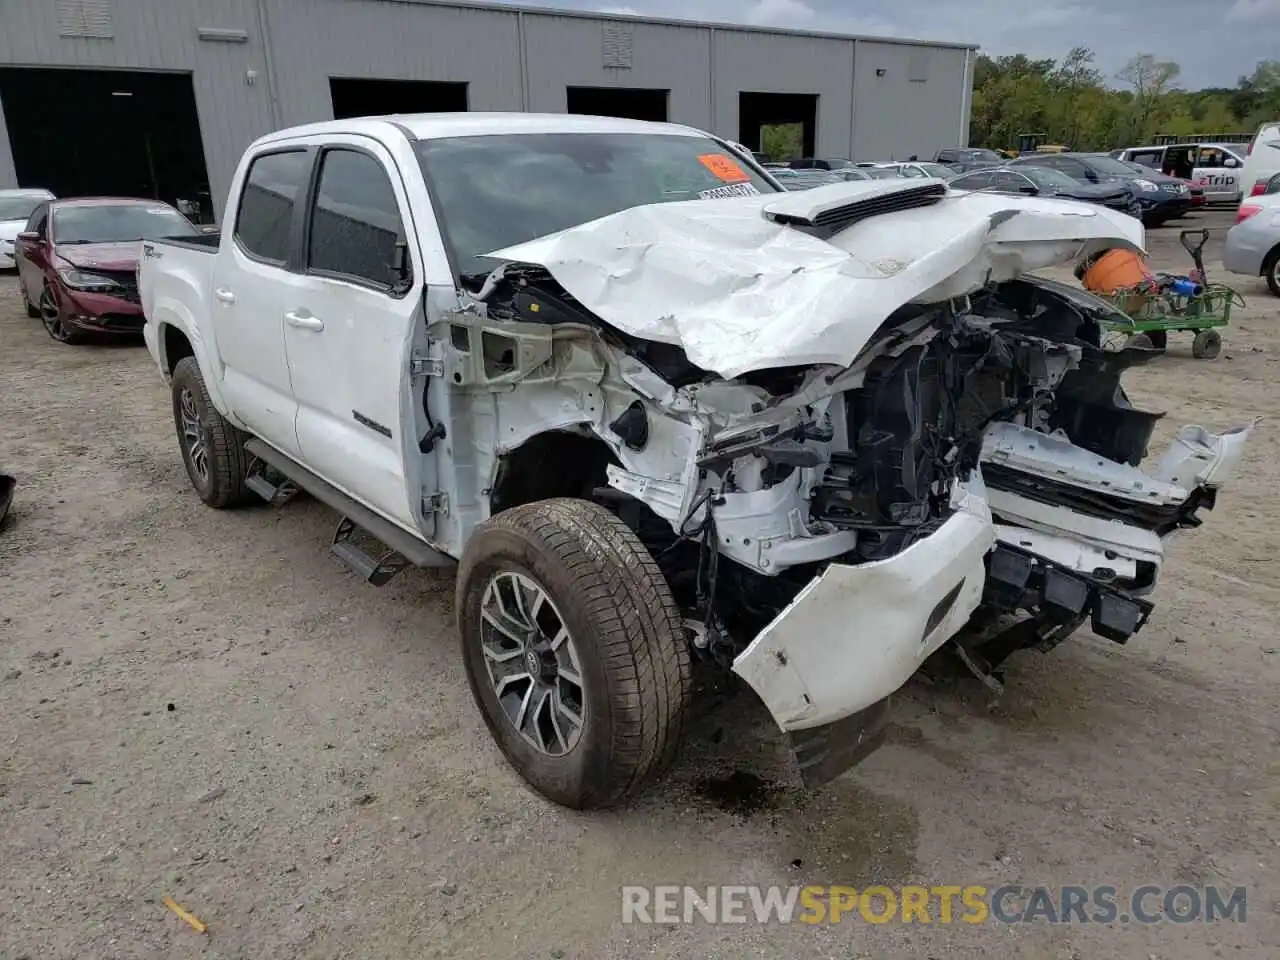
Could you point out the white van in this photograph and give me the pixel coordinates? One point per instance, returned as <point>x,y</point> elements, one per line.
<point>1217,167</point>
<point>1263,159</point>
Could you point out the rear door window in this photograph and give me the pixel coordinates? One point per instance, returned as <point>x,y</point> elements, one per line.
<point>1148,158</point>
<point>264,219</point>
<point>1009,182</point>
<point>972,181</point>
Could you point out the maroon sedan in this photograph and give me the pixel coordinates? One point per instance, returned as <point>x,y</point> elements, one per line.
<point>78,262</point>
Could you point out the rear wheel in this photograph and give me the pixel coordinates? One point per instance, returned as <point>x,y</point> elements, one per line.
<point>212,449</point>
<point>574,650</point>
<point>1159,338</point>
<point>1271,270</point>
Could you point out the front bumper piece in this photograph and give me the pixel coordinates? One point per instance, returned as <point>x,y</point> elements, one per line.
<point>827,664</point>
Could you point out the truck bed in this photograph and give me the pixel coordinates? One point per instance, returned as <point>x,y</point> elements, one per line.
<point>205,242</point>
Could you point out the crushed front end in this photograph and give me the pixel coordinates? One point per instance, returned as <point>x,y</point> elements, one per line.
<point>837,491</point>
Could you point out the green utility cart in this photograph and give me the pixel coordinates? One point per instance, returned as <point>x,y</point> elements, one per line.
<point>1155,311</point>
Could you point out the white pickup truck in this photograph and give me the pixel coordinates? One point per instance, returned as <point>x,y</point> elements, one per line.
<point>658,411</point>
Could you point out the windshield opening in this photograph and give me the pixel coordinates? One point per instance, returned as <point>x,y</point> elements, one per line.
<point>118,223</point>
<point>18,208</point>
<point>497,191</point>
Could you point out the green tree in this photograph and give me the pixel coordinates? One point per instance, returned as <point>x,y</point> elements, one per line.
<point>1149,80</point>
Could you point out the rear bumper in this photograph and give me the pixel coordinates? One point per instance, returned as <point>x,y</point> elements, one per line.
<point>1243,251</point>
<point>855,634</point>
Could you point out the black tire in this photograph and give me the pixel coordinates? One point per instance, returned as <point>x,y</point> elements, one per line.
<point>608,593</point>
<point>1207,345</point>
<point>222,483</point>
<point>1271,270</point>
<point>27,305</point>
<point>1159,338</point>
<point>1140,341</point>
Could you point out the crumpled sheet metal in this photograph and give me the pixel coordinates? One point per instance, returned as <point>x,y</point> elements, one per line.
<point>740,292</point>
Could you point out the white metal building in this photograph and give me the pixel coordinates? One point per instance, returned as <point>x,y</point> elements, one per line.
<point>159,97</point>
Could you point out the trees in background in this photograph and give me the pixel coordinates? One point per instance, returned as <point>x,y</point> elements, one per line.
<point>1070,102</point>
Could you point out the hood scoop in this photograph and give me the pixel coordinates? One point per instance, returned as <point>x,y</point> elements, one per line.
<point>833,209</point>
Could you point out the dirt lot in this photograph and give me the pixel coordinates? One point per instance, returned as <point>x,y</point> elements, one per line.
<point>207,705</point>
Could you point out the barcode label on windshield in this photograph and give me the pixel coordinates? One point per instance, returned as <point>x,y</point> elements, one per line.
<point>729,190</point>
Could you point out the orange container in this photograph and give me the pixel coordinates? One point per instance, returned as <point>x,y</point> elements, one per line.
<point>1117,270</point>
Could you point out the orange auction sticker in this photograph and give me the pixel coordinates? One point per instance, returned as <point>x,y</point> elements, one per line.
<point>723,167</point>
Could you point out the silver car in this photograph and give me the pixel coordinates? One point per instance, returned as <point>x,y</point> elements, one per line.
<point>1253,244</point>
<point>15,208</point>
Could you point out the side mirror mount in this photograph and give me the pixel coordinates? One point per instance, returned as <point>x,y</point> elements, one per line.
<point>402,265</point>
<point>30,235</point>
<point>1029,190</point>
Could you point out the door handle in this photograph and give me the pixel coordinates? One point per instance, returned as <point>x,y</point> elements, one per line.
<point>303,321</point>
<point>224,295</point>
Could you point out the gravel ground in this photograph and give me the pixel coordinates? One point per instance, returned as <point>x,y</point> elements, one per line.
<point>206,705</point>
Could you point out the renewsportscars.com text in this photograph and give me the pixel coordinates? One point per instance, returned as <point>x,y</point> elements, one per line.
<point>942,904</point>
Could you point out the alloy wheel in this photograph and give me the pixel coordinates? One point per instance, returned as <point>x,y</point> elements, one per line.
<point>193,435</point>
<point>51,317</point>
<point>532,663</point>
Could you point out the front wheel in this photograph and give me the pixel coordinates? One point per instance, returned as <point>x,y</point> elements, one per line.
<point>574,650</point>
<point>51,316</point>
<point>212,449</point>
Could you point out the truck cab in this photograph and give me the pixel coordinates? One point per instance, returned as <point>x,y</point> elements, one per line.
<point>656,410</point>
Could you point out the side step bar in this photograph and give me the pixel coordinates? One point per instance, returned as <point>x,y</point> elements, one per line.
<point>274,494</point>
<point>405,548</point>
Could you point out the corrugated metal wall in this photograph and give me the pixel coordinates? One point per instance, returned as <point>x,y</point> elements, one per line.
<point>511,60</point>
<point>765,63</point>
<point>566,51</point>
<point>152,35</point>
<point>917,105</point>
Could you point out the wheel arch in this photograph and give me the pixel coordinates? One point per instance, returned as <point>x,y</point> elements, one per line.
<point>553,463</point>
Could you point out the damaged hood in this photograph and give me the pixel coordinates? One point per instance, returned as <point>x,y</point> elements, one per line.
<point>740,287</point>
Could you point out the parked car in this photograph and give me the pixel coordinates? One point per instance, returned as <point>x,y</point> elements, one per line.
<point>1262,158</point>
<point>913,169</point>
<point>1269,186</point>
<point>877,172</point>
<point>78,261</point>
<point>1161,198</point>
<point>1252,246</point>
<point>969,157</point>
<point>650,432</point>
<point>1216,167</point>
<point>1032,180</point>
<point>15,210</point>
<point>820,163</point>
<point>808,179</point>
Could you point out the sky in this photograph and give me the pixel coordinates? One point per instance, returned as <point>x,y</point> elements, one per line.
<point>1214,41</point>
